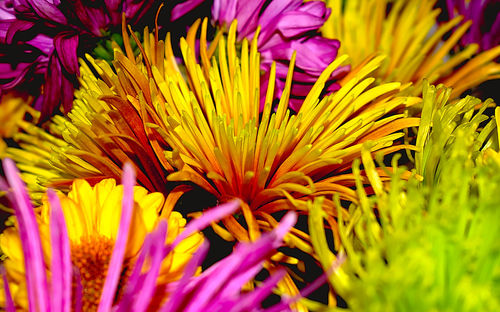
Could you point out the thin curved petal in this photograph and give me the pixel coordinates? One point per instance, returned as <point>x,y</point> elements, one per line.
<point>183,8</point>
<point>115,265</point>
<point>61,266</point>
<point>28,230</point>
<point>66,45</point>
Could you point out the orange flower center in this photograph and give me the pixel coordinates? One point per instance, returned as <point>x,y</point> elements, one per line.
<point>92,256</point>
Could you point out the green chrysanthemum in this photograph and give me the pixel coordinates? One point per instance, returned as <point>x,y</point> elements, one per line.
<point>431,245</point>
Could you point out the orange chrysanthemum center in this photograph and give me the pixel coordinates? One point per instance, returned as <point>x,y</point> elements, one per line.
<point>92,256</point>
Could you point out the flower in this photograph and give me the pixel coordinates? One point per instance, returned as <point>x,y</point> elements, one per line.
<point>414,236</point>
<point>55,32</point>
<point>273,161</point>
<point>285,26</point>
<point>219,287</point>
<point>406,32</point>
<point>91,227</point>
<point>442,121</point>
<point>485,17</point>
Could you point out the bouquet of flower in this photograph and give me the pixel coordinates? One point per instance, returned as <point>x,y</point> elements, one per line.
<point>260,155</point>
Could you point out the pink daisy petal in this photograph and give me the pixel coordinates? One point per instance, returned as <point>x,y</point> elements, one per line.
<point>209,216</point>
<point>157,256</point>
<point>61,257</point>
<point>9,303</point>
<point>180,290</point>
<point>30,238</point>
<point>115,265</point>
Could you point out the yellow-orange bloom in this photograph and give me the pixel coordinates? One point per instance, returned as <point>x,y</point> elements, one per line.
<point>272,161</point>
<point>406,31</point>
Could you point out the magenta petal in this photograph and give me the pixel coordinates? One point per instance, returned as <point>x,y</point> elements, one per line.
<point>297,23</point>
<point>183,8</point>
<point>61,257</point>
<point>30,238</point>
<point>67,94</point>
<point>7,10</point>
<point>316,8</point>
<point>66,45</point>
<point>115,265</point>
<point>17,75</point>
<point>9,303</point>
<point>179,293</point>
<point>156,256</point>
<point>224,11</point>
<point>134,282</point>
<point>252,300</point>
<point>214,281</point>
<point>51,98</point>
<point>112,5</point>
<point>316,53</point>
<point>248,14</point>
<point>17,25</point>
<point>285,224</point>
<point>271,15</point>
<point>233,284</point>
<point>209,216</point>
<point>310,16</point>
<point>47,10</point>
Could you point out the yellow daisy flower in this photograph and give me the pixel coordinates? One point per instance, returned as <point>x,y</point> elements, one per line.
<point>92,215</point>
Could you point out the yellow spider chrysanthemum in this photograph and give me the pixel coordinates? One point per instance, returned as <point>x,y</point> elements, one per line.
<point>92,217</point>
<point>407,32</point>
<point>272,161</point>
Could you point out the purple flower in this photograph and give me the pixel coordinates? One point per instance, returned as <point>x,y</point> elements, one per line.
<point>219,288</point>
<point>40,40</point>
<point>485,17</point>
<point>286,26</point>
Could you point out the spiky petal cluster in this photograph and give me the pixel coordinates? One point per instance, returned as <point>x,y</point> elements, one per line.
<point>404,31</point>
<point>273,161</point>
<point>413,237</point>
